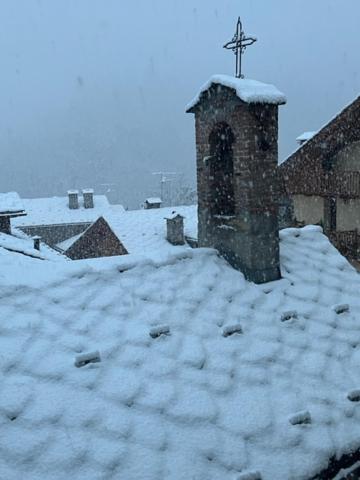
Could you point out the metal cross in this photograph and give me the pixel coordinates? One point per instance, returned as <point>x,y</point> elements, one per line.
<point>238,45</point>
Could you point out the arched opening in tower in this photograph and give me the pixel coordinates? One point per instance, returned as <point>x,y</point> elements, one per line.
<point>222,170</point>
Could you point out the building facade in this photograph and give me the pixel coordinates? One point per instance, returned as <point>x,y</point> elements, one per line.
<point>322,180</point>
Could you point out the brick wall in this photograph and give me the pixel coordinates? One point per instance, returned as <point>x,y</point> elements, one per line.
<point>249,237</point>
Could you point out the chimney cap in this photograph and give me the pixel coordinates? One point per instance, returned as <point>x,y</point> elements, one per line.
<point>87,190</point>
<point>36,237</point>
<point>174,215</point>
<point>73,192</point>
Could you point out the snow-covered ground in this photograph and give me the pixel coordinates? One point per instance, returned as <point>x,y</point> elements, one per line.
<point>190,404</point>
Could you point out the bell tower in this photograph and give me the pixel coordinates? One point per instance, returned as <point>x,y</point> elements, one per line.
<point>236,127</point>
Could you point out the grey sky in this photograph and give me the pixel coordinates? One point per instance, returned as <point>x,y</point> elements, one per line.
<point>94,91</point>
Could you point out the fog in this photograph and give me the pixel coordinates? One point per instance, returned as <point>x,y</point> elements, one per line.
<point>94,91</point>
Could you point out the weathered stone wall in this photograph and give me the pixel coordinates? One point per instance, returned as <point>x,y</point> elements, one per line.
<point>309,209</point>
<point>98,241</point>
<point>175,230</point>
<point>249,238</point>
<point>348,159</point>
<point>307,170</point>
<point>5,225</point>
<point>348,214</point>
<point>54,234</point>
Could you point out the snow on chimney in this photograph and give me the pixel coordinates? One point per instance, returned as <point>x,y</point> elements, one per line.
<point>304,137</point>
<point>73,199</point>
<point>88,196</point>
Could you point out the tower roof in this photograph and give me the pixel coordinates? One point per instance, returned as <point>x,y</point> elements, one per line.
<point>249,91</point>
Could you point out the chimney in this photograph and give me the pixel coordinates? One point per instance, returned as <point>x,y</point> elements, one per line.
<point>88,196</point>
<point>304,137</point>
<point>36,240</point>
<point>73,199</point>
<point>5,225</point>
<point>175,229</point>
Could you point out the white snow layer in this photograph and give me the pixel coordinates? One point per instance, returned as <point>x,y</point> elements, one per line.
<point>10,202</point>
<point>249,91</point>
<point>54,210</point>
<point>152,200</point>
<point>19,243</point>
<point>193,404</point>
<point>305,136</point>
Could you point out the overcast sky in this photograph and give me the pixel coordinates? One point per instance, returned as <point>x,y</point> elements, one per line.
<point>94,91</point>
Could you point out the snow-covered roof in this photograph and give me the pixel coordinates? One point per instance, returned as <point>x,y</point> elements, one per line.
<point>221,392</point>
<point>10,203</point>
<point>144,231</point>
<point>69,242</point>
<point>304,137</point>
<point>20,243</point>
<point>54,210</point>
<point>329,128</point>
<point>153,200</point>
<point>249,91</point>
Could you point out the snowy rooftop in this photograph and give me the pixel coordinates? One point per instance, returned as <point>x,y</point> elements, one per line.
<point>20,243</point>
<point>249,91</point>
<point>10,203</point>
<point>304,137</point>
<point>245,377</point>
<point>53,210</point>
<point>144,231</point>
<point>153,200</point>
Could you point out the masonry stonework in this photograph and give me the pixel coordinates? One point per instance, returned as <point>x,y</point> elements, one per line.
<point>5,225</point>
<point>236,149</point>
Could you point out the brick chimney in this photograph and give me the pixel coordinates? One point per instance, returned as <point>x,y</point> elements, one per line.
<point>73,196</point>
<point>236,125</point>
<point>88,196</point>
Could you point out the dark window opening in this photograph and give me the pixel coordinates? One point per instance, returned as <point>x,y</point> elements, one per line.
<point>327,164</point>
<point>332,213</point>
<point>222,170</point>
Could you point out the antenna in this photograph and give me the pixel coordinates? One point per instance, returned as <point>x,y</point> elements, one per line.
<point>163,180</point>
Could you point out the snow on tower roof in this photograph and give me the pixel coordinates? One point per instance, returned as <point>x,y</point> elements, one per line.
<point>249,91</point>
<point>232,384</point>
<point>10,203</point>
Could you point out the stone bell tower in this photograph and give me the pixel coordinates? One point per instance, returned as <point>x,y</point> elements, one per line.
<point>236,125</point>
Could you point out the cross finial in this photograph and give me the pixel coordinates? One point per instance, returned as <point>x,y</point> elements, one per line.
<point>238,45</point>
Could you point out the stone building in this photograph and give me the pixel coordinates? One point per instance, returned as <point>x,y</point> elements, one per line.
<point>98,240</point>
<point>152,202</point>
<point>322,180</point>
<point>236,127</point>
